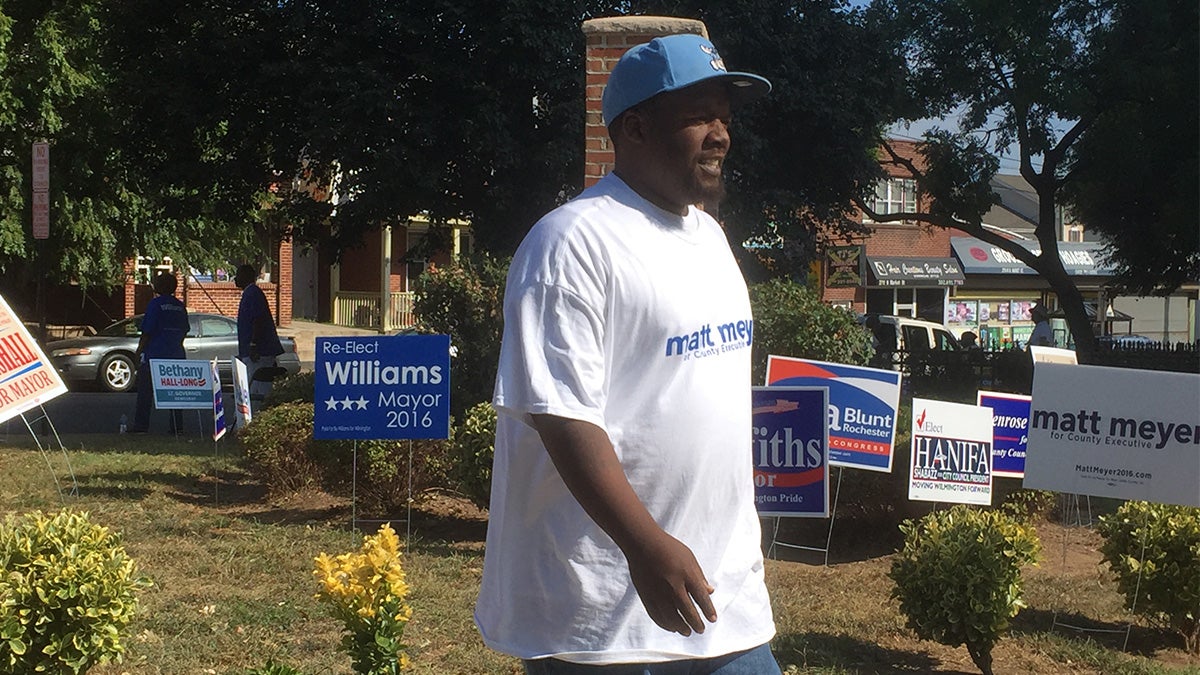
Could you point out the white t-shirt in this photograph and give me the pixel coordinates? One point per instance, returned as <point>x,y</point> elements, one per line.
<point>637,320</point>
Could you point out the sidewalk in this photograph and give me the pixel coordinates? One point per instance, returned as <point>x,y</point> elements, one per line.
<point>306,332</point>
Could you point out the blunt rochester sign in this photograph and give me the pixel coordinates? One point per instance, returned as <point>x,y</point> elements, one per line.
<point>387,387</point>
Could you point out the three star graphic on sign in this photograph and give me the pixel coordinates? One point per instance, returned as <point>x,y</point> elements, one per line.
<point>347,403</point>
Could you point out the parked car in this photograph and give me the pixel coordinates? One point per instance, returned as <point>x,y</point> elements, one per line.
<point>914,335</point>
<point>106,358</point>
<point>1126,340</point>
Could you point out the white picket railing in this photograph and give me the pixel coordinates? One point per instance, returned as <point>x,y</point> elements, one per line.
<point>360,309</point>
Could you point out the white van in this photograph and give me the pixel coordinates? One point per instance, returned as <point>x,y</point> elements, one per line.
<point>911,335</point>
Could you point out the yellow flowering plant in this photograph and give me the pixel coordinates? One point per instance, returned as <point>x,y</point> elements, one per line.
<point>366,590</point>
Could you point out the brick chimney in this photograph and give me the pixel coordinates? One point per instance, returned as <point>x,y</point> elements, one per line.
<point>607,40</point>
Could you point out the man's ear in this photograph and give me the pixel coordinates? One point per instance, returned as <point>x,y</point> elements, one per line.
<point>633,126</point>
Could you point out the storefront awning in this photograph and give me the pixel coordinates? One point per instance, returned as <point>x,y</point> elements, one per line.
<point>888,271</point>
<point>1080,259</point>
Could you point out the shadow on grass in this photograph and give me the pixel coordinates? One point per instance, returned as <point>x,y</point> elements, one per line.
<point>135,485</point>
<point>848,653</point>
<point>853,539</point>
<point>1143,641</point>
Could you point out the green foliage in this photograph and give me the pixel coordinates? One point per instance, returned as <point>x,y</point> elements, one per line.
<point>465,301</point>
<point>958,577</point>
<point>475,448</point>
<point>283,454</point>
<point>1154,549</point>
<point>297,388</point>
<point>279,445</point>
<point>67,591</point>
<point>791,320</point>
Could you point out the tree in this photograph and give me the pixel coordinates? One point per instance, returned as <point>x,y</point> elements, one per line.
<point>1135,174</point>
<point>53,85</point>
<point>1037,75</point>
<point>802,155</point>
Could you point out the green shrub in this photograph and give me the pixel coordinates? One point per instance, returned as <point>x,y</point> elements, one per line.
<point>474,450</point>
<point>279,445</point>
<point>296,388</point>
<point>282,453</point>
<point>791,320</point>
<point>66,592</point>
<point>1154,549</point>
<point>958,577</point>
<point>465,301</point>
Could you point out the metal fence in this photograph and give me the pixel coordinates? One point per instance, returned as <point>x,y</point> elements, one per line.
<point>957,375</point>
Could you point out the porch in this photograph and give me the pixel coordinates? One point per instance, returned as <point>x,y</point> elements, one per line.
<point>364,309</point>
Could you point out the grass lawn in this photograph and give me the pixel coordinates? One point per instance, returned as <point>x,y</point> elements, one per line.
<point>232,574</point>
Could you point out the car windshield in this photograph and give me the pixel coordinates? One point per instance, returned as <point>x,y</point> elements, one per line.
<point>128,327</point>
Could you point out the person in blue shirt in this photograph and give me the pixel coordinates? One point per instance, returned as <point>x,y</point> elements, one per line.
<point>164,326</point>
<point>258,342</point>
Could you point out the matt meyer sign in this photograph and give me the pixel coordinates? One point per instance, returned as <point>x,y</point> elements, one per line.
<point>395,387</point>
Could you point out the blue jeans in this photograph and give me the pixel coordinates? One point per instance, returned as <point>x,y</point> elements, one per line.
<point>757,661</point>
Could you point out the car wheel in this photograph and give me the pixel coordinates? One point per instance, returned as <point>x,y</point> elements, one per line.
<point>116,373</point>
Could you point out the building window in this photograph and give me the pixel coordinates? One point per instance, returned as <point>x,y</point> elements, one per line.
<point>895,195</point>
<point>1074,233</point>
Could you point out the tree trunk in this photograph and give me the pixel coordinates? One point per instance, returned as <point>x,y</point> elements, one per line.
<point>982,656</point>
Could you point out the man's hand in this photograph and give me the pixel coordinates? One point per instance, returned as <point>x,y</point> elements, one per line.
<point>671,585</point>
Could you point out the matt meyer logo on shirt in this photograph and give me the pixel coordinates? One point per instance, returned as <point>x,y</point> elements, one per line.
<point>707,341</point>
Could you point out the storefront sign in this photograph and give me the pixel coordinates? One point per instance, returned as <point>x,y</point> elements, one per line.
<point>1115,432</point>
<point>1078,258</point>
<point>844,266</point>
<point>862,407</point>
<point>915,271</point>
<point>951,453</point>
<point>791,451</point>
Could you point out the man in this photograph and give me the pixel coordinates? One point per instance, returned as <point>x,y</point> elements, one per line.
<point>622,534</point>
<point>164,326</point>
<point>1042,335</point>
<point>258,342</point>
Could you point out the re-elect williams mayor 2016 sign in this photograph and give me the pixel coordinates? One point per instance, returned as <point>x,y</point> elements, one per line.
<point>386,387</point>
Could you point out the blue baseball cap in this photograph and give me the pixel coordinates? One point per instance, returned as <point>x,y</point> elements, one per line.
<point>670,63</point>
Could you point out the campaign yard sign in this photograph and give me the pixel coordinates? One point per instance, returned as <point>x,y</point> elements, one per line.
<point>1010,431</point>
<point>951,453</point>
<point>791,451</point>
<point>241,394</point>
<point>27,378</point>
<point>385,387</point>
<point>1115,432</point>
<point>218,402</point>
<point>181,384</point>
<point>862,407</point>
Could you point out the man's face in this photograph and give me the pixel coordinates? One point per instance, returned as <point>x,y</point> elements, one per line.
<point>687,140</point>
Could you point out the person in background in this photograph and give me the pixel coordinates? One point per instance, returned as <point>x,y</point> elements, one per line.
<point>258,342</point>
<point>622,527</point>
<point>1041,336</point>
<point>968,340</point>
<point>164,326</point>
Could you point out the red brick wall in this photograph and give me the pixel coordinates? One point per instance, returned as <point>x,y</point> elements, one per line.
<point>607,40</point>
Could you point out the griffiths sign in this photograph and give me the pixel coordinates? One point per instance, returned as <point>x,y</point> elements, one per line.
<point>387,387</point>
